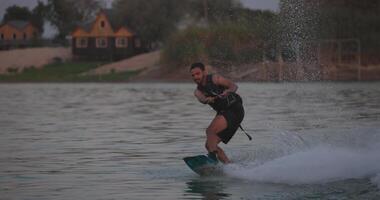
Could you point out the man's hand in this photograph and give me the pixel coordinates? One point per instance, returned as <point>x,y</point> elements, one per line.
<point>210,100</point>
<point>225,93</point>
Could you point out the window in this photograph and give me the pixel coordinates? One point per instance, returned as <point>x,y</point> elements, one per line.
<point>102,24</point>
<point>121,42</point>
<point>81,42</point>
<point>24,35</point>
<point>2,36</point>
<point>14,36</point>
<point>101,42</point>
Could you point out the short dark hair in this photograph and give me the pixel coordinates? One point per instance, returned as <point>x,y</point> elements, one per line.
<point>197,65</point>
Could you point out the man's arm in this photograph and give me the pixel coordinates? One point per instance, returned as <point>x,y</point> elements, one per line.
<point>202,98</point>
<point>228,84</point>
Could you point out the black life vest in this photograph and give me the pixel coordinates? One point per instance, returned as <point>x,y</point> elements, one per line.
<point>210,89</point>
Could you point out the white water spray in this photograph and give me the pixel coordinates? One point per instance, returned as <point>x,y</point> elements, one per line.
<point>315,166</point>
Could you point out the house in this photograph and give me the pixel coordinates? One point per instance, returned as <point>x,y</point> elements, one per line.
<point>102,40</point>
<point>17,33</point>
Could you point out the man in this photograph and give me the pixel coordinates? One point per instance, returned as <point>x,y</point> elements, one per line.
<point>220,94</point>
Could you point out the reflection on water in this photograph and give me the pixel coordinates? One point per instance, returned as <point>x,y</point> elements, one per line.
<point>126,141</point>
<point>207,189</point>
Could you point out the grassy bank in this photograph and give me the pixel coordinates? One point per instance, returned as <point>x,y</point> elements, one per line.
<point>64,72</point>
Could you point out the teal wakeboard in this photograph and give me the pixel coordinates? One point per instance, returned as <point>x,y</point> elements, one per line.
<point>202,165</point>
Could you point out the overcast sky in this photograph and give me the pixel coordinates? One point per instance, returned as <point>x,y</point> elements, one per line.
<point>262,4</point>
<point>255,4</point>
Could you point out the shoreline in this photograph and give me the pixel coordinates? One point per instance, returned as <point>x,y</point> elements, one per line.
<point>181,81</point>
<point>146,68</point>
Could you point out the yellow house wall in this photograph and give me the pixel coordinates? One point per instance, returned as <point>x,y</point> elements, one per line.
<point>79,32</point>
<point>8,32</point>
<point>99,31</point>
<point>123,32</point>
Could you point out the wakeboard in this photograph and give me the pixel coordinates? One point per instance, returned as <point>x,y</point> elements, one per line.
<point>203,165</point>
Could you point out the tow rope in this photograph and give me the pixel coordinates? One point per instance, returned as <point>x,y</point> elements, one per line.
<point>249,137</point>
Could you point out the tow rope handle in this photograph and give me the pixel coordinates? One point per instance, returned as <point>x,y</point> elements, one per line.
<point>249,137</point>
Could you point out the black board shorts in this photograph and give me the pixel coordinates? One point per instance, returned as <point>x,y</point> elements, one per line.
<point>234,115</point>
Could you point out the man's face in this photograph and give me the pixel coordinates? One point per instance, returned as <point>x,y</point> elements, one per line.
<point>197,75</point>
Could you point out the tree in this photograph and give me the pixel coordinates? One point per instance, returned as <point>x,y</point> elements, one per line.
<point>38,15</point>
<point>353,19</point>
<point>16,13</point>
<point>338,19</point>
<point>153,21</point>
<point>214,11</point>
<point>65,14</point>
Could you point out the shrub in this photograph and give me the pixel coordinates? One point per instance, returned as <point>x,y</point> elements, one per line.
<point>219,43</point>
<point>186,46</point>
<point>28,69</point>
<point>57,59</point>
<point>12,70</point>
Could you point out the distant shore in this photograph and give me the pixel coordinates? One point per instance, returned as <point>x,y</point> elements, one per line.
<point>55,65</point>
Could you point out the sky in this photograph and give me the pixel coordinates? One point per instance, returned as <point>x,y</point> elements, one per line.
<point>49,31</point>
<point>262,4</point>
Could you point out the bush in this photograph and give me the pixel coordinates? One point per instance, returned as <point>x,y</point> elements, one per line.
<point>57,60</point>
<point>12,70</point>
<point>229,42</point>
<point>29,69</point>
<point>186,46</point>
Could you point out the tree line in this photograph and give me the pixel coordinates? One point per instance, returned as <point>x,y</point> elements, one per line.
<point>165,21</point>
<point>62,14</point>
<point>331,20</point>
<point>35,16</point>
<point>153,20</point>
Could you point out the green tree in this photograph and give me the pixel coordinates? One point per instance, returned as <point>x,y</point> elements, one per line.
<point>219,44</point>
<point>65,14</point>
<point>38,15</point>
<point>241,37</point>
<point>340,19</point>
<point>214,11</point>
<point>153,21</point>
<point>16,13</point>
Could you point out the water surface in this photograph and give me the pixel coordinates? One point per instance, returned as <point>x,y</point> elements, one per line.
<point>126,141</point>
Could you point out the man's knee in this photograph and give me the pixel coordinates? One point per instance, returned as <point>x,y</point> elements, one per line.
<point>206,146</point>
<point>211,145</point>
<point>209,131</point>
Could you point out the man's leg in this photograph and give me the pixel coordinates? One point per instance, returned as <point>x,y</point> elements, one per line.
<point>217,125</point>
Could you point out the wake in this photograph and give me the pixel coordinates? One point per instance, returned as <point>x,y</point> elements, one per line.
<point>317,165</point>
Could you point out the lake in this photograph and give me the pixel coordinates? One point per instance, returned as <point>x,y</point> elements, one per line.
<point>127,141</point>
